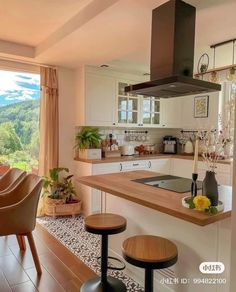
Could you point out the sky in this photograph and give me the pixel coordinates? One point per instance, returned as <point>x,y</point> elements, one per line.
<point>18,86</point>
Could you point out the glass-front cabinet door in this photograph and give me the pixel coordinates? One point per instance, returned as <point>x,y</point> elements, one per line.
<point>136,110</point>
<point>150,111</point>
<point>128,106</point>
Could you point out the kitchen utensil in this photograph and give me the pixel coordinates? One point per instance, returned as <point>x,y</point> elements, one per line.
<point>170,145</point>
<point>127,150</point>
<point>150,149</point>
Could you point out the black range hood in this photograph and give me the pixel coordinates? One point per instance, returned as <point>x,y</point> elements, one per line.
<point>172,54</point>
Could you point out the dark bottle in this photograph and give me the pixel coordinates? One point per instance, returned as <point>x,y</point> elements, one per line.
<point>210,188</point>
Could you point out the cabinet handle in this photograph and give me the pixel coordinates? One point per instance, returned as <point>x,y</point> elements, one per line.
<point>163,125</point>
<point>149,164</point>
<point>121,167</point>
<point>135,164</point>
<point>114,124</point>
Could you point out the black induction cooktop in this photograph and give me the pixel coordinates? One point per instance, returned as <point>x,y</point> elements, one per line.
<point>169,182</point>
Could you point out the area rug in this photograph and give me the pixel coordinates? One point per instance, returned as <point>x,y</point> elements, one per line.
<point>70,232</point>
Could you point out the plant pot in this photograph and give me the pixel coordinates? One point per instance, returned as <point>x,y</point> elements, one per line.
<point>55,208</point>
<point>210,188</point>
<point>90,154</point>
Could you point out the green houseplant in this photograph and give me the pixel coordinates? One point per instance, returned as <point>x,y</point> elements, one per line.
<point>60,195</point>
<point>88,143</point>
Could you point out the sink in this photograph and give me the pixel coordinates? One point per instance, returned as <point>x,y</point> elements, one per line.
<point>169,182</point>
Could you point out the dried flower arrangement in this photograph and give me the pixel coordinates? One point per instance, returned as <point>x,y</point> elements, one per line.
<point>213,141</point>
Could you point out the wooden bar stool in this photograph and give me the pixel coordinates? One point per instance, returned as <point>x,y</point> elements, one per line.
<point>149,252</point>
<point>104,224</point>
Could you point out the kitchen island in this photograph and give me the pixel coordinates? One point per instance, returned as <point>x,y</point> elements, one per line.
<point>199,237</point>
<point>123,185</point>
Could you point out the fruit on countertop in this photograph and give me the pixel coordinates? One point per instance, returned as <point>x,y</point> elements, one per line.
<point>140,149</point>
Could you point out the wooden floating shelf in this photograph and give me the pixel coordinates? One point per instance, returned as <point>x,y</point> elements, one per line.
<point>216,70</point>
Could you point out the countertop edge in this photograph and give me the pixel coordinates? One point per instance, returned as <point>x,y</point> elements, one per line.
<point>145,157</point>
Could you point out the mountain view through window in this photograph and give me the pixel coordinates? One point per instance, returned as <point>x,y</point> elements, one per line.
<point>19,119</point>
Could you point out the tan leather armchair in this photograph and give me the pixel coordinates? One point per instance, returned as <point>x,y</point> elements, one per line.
<point>10,179</point>
<point>18,210</point>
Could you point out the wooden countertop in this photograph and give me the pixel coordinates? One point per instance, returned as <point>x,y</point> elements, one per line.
<point>145,157</point>
<point>122,185</point>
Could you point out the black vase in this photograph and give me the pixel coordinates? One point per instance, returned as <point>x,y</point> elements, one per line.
<point>210,188</point>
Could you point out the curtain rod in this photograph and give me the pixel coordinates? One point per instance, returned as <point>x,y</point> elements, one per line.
<point>26,62</point>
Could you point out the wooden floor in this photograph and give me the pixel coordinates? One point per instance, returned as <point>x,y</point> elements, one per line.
<point>62,271</point>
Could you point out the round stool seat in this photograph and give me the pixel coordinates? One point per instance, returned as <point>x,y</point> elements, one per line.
<point>106,223</point>
<point>150,252</point>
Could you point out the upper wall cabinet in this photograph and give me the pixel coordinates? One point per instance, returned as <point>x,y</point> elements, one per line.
<point>136,110</point>
<point>127,106</point>
<point>100,100</point>
<point>150,111</point>
<point>171,112</point>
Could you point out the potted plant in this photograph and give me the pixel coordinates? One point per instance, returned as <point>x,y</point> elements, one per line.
<point>60,196</point>
<point>88,143</point>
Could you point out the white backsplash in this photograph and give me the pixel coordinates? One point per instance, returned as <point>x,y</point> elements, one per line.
<point>155,135</point>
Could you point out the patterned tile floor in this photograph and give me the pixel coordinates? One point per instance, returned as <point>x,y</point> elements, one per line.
<point>70,232</point>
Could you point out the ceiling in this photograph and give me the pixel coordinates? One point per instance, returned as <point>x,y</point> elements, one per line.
<point>30,22</point>
<point>71,33</point>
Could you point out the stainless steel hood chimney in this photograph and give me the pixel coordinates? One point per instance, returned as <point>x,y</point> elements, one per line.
<point>172,54</point>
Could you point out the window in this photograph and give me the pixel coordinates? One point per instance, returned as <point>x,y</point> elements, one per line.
<point>19,119</point>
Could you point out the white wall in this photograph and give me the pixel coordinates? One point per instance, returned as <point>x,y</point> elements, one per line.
<point>67,102</point>
<point>223,56</point>
<point>79,95</point>
<point>188,119</point>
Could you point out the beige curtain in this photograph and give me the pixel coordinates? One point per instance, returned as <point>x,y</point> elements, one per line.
<point>49,132</point>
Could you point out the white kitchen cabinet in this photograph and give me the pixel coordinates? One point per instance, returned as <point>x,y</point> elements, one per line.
<point>161,165</point>
<point>150,111</point>
<point>184,168</point>
<point>95,98</point>
<point>136,110</point>
<point>100,100</point>
<point>92,198</point>
<point>181,167</point>
<point>171,112</point>
<point>127,105</point>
